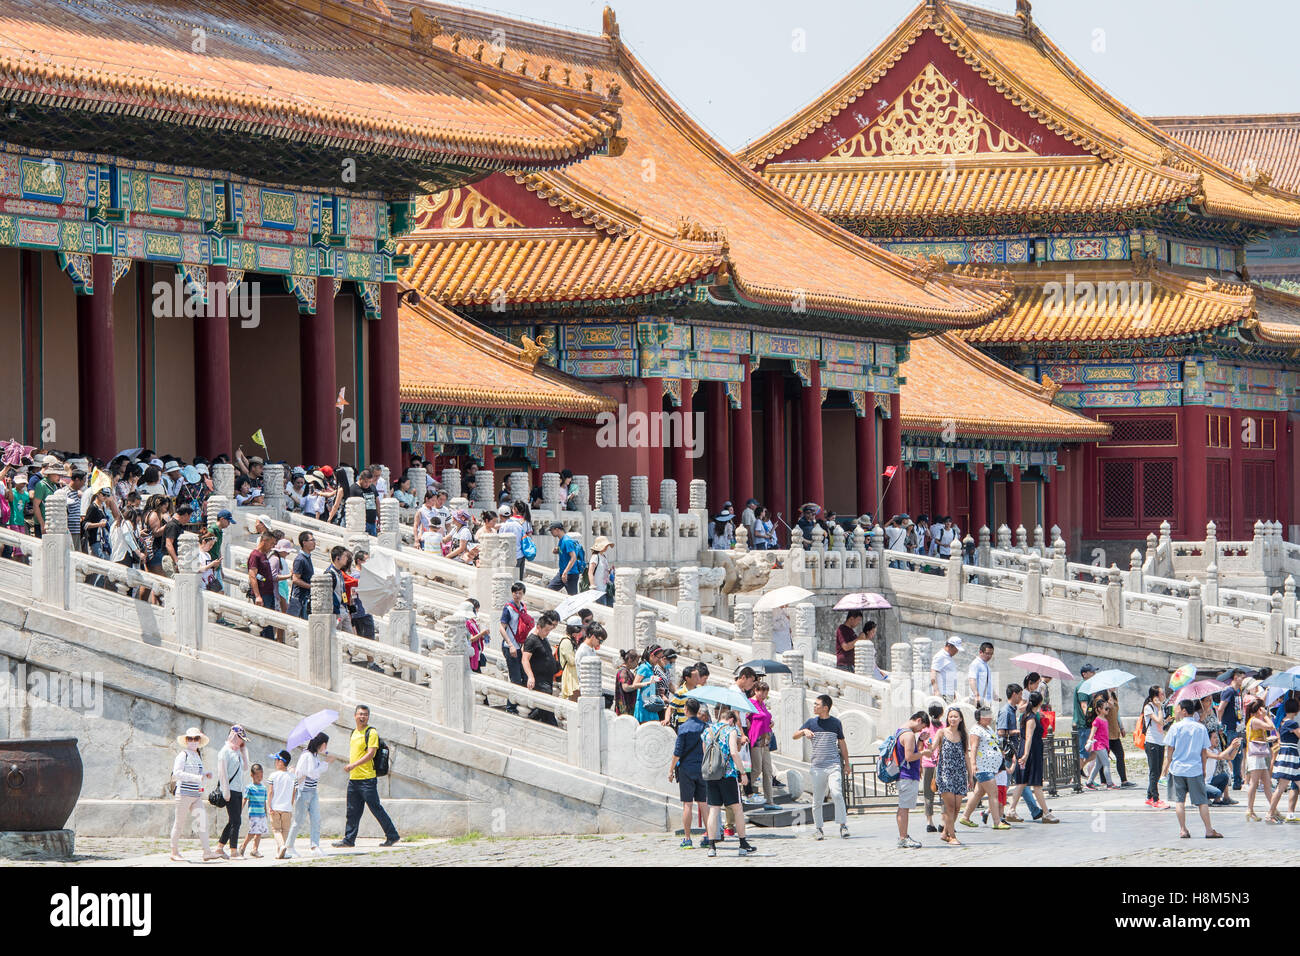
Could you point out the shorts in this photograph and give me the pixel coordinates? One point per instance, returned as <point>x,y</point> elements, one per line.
<point>692,789</point>
<point>1256,763</point>
<point>724,792</point>
<point>1192,788</point>
<point>985,777</point>
<point>907,791</point>
<point>280,820</point>
<point>257,825</point>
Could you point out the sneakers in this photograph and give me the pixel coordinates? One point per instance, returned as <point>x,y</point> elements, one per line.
<point>907,843</point>
<point>746,848</point>
<point>931,828</point>
<point>818,835</point>
<point>844,831</point>
<point>1128,785</point>
<point>343,843</point>
<point>729,831</point>
<point>984,816</point>
<point>390,842</point>
<point>1111,786</point>
<point>1157,804</point>
<point>1048,818</point>
<point>705,843</point>
<point>713,850</point>
<point>290,855</point>
<point>1012,818</point>
<point>686,845</point>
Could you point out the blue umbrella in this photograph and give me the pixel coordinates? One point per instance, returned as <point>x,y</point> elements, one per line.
<point>309,727</point>
<point>730,696</point>
<point>1289,680</point>
<point>1105,680</point>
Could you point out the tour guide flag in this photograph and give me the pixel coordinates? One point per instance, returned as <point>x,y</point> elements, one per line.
<point>257,437</point>
<point>342,402</point>
<point>891,471</point>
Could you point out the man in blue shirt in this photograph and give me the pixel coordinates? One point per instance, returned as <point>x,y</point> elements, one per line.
<point>688,758</point>
<point>1230,716</point>
<point>570,560</point>
<point>1187,747</point>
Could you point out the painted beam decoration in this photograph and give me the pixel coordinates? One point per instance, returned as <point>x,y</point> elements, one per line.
<point>80,204</point>
<point>451,433</point>
<point>963,454</point>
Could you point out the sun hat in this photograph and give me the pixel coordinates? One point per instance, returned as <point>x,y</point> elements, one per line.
<point>20,478</point>
<point>193,732</point>
<point>169,466</point>
<point>283,546</point>
<point>600,544</point>
<point>202,469</point>
<point>264,520</point>
<point>327,471</point>
<point>298,472</point>
<point>238,731</point>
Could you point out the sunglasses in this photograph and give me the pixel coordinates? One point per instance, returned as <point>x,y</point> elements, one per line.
<point>193,738</point>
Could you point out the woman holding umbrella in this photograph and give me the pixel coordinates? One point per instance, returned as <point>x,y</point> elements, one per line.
<point>1029,767</point>
<point>315,760</point>
<point>1153,726</point>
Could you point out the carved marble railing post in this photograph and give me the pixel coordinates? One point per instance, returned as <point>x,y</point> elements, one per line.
<point>1004,538</point>
<point>864,658</point>
<point>1165,537</point>
<point>223,481</point>
<point>551,492</point>
<point>497,601</point>
<point>1136,582</point>
<point>645,630</point>
<point>1212,585</point>
<point>455,704</point>
<point>354,520</point>
<point>214,506</point>
<point>484,490</point>
<point>688,597</point>
<point>187,596</point>
<point>581,487</point>
<point>451,483</point>
<point>591,725</point>
<point>496,554</point>
<point>793,709</point>
<point>1056,535</point>
<point>803,630</point>
<point>317,660</point>
<point>1149,560</point>
<point>638,493</point>
<point>899,706</point>
<point>56,551</point>
<point>1276,625</point>
<point>419,484</point>
<point>1040,543</point>
<point>1059,560</point>
<point>1211,543</point>
<point>1288,597</point>
<point>699,502</point>
<point>982,553</point>
<point>668,496</point>
<point>273,491</point>
<point>390,526</point>
<point>921,659</point>
<point>742,616</point>
<point>742,540</point>
<point>1195,621</point>
<point>625,580</point>
<point>818,540</point>
<point>1034,586</point>
<point>609,494</point>
<point>956,575</point>
<point>1022,539</point>
<point>762,646</point>
<point>1113,601</point>
<point>517,482</point>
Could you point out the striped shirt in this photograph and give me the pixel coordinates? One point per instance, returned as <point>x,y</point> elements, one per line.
<point>827,734</point>
<point>188,769</point>
<point>255,794</point>
<point>74,513</point>
<point>309,769</point>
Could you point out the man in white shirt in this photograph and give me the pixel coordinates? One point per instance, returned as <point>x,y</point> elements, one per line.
<point>980,677</point>
<point>948,535</point>
<point>514,524</point>
<point>943,672</point>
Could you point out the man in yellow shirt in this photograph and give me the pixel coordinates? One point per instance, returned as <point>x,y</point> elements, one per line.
<point>363,786</point>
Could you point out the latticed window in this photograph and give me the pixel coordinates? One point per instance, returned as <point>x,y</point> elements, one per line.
<point>1218,494</point>
<point>1220,431</point>
<point>1144,430</point>
<point>1257,491</point>
<point>1118,491</point>
<point>1259,432</point>
<point>1157,490</point>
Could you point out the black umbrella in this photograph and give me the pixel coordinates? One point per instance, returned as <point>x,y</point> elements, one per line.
<point>767,667</point>
<point>1226,676</point>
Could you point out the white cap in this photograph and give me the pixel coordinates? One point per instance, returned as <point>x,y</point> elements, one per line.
<point>955,642</point>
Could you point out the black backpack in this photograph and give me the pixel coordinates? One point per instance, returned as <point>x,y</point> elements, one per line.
<point>382,756</point>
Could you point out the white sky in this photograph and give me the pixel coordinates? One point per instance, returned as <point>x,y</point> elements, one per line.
<point>731,63</point>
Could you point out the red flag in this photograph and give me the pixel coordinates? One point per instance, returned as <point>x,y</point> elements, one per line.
<point>891,471</point>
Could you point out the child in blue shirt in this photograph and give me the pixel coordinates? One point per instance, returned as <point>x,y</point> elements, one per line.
<point>255,800</point>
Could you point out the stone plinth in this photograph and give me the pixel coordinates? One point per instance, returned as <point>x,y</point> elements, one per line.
<point>37,844</point>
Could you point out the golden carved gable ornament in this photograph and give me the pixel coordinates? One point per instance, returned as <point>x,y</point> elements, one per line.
<point>462,207</point>
<point>930,118</point>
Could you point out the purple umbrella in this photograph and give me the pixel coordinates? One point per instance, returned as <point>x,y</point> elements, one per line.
<point>862,601</point>
<point>309,727</point>
<point>1198,689</point>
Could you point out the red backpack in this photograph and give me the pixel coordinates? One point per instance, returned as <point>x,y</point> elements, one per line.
<point>526,622</point>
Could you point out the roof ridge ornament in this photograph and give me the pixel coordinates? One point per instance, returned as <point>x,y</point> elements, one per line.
<point>424,28</point>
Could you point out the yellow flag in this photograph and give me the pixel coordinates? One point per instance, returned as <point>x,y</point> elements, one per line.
<point>257,437</point>
<point>99,479</point>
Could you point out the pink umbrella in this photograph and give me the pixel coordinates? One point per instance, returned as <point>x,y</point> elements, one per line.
<point>1199,688</point>
<point>862,601</point>
<point>1045,664</point>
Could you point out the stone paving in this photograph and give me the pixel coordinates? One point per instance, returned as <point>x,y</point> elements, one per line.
<point>1108,829</point>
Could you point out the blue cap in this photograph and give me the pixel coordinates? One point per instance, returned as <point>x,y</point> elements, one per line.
<point>223,513</point>
<point>283,756</point>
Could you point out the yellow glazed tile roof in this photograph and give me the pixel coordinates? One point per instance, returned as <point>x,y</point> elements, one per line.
<point>1250,144</point>
<point>447,360</point>
<point>327,71</point>
<point>950,384</point>
<point>1017,60</point>
<point>691,203</point>
<point>1107,301</point>
<point>1278,316</point>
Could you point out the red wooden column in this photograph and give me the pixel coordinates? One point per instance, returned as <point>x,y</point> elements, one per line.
<point>212,426</point>
<point>655,468</point>
<point>811,451</point>
<point>893,452</point>
<point>32,320</point>
<point>683,463</point>
<point>1193,510</point>
<point>489,459</point>
<point>742,440</point>
<point>942,493</point>
<point>718,440</point>
<point>385,383</point>
<point>1050,495</point>
<point>1014,517</point>
<point>979,502</point>
<point>316,348</point>
<point>864,442</point>
<point>774,444</point>
<point>96,386</point>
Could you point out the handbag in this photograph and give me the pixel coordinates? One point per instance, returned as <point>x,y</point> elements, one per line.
<point>216,797</point>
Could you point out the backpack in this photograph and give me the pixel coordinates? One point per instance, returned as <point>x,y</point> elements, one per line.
<point>888,768</point>
<point>383,756</point>
<point>1140,731</point>
<point>526,623</point>
<point>714,765</point>
<point>528,549</point>
<point>559,668</point>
